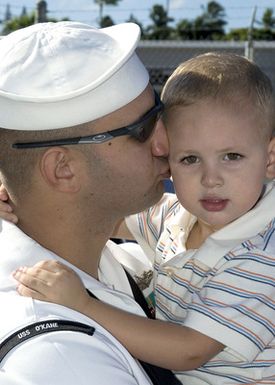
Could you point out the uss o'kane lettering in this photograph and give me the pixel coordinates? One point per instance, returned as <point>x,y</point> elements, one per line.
<point>38,328</point>
<point>24,334</point>
<point>45,326</point>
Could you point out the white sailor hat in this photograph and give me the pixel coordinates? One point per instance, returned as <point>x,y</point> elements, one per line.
<point>57,75</point>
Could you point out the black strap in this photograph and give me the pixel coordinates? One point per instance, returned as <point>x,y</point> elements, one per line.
<point>41,327</point>
<point>139,297</point>
<point>157,375</point>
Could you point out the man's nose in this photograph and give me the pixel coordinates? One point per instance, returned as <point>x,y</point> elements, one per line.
<point>160,145</point>
<point>211,176</point>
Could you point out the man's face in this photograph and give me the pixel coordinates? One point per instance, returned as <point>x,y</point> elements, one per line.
<point>126,176</point>
<point>218,159</point>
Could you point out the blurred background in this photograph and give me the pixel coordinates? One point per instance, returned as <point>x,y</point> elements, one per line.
<point>172,30</point>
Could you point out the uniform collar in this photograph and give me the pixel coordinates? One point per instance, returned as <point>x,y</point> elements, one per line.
<point>18,249</point>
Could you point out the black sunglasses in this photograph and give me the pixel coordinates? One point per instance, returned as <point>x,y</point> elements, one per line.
<point>140,130</point>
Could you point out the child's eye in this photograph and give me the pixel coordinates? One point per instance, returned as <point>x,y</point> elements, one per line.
<point>191,159</point>
<point>233,156</point>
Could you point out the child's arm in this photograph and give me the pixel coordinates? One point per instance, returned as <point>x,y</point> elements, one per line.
<point>160,343</point>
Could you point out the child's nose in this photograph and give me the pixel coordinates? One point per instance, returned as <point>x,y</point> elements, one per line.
<point>211,177</point>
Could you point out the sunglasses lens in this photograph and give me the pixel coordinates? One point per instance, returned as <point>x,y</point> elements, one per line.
<point>146,128</point>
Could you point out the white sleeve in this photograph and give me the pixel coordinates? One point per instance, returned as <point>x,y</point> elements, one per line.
<point>70,358</point>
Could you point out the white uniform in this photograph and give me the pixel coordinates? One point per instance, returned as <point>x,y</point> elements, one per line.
<point>62,357</point>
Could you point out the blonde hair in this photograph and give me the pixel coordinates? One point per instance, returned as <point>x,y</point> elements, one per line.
<point>225,77</point>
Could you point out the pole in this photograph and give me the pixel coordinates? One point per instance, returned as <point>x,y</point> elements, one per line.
<point>41,11</point>
<point>167,7</point>
<point>249,50</point>
<point>100,12</point>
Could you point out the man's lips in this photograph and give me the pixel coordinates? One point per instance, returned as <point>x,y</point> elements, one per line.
<point>214,204</point>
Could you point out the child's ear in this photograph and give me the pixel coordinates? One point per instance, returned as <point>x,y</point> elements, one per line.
<point>270,168</point>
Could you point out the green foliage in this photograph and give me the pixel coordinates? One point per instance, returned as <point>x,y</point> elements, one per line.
<point>106,2</point>
<point>263,34</point>
<point>101,4</point>
<point>18,22</point>
<point>209,25</point>
<point>238,34</point>
<point>159,30</point>
<point>133,19</point>
<point>268,21</point>
<point>185,30</point>
<point>266,32</point>
<point>106,21</point>
<point>22,21</point>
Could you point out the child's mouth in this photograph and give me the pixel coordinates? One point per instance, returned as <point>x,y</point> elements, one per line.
<point>214,204</point>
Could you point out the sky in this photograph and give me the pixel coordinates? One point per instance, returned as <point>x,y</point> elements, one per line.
<point>238,12</point>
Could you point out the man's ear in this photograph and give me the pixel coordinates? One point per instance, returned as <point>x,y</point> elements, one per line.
<point>270,168</point>
<point>58,171</point>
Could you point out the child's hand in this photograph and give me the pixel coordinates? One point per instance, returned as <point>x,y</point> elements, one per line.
<point>5,208</point>
<point>52,281</point>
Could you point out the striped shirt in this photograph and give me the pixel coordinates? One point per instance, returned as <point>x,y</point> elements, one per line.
<point>225,289</point>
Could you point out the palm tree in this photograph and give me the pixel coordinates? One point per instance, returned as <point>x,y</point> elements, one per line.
<point>101,4</point>
<point>160,29</point>
<point>268,20</point>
